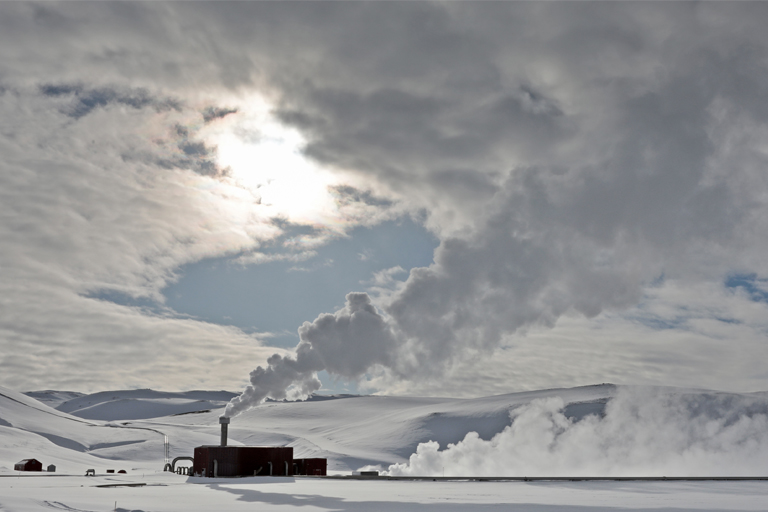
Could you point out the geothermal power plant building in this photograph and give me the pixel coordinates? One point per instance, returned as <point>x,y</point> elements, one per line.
<point>233,461</point>
<point>310,467</point>
<point>218,461</point>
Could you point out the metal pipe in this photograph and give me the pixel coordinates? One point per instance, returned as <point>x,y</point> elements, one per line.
<point>224,422</point>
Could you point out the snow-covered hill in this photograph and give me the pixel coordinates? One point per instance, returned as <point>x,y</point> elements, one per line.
<point>601,429</point>
<point>53,398</point>
<point>142,404</point>
<point>31,429</point>
<point>351,431</point>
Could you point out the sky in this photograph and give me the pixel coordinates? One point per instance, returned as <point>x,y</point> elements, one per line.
<point>448,199</point>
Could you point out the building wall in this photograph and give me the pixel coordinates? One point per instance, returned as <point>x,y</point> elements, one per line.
<point>201,461</point>
<point>29,465</point>
<point>310,466</point>
<point>243,461</point>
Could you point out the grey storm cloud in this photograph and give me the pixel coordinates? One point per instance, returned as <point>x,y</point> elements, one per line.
<point>567,155</point>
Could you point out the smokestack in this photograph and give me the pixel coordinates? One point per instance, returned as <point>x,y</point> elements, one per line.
<point>224,421</point>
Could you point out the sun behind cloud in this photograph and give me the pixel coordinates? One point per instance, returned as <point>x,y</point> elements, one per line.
<point>266,158</point>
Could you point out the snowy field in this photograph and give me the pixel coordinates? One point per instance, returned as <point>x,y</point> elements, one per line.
<point>590,431</point>
<point>174,493</point>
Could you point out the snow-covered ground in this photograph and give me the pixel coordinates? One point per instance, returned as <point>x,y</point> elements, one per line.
<point>595,430</point>
<point>171,493</point>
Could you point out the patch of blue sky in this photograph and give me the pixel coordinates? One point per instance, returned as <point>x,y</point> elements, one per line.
<point>658,323</point>
<point>333,386</point>
<point>643,313</point>
<point>659,281</point>
<point>756,288</point>
<point>749,284</point>
<point>734,321</point>
<point>278,296</point>
<point>125,299</point>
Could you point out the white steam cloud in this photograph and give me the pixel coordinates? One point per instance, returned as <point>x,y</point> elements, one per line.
<point>346,343</point>
<point>480,288</point>
<point>643,433</point>
<point>558,181</point>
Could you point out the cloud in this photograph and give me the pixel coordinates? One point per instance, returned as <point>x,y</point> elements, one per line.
<point>566,155</point>
<point>581,163</point>
<point>596,183</point>
<point>212,113</point>
<point>82,100</point>
<point>676,330</point>
<point>89,211</point>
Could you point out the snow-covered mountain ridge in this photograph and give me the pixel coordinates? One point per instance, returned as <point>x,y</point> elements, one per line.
<point>600,429</point>
<point>351,431</point>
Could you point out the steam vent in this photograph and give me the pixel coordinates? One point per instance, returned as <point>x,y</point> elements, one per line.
<point>238,461</point>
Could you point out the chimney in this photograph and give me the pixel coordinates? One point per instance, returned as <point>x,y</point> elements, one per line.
<point>224,422</point>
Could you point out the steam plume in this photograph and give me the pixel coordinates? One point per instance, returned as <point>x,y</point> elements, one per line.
<point>507,274</point>
<point>643,433</point>
<point>346,343</point>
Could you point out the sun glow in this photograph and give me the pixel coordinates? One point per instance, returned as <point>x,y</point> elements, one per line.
<point>265,157</point>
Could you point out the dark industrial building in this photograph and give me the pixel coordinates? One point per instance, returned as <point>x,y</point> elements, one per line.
<point>233,461</point>
<point>222,461</point>
<point>310,466</point>
<point>28,465</point>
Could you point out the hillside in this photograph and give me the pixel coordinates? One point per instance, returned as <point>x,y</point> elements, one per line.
<point>351,431</point>
<point>29,428</point>
<point>142,404</point>
<point>591,430</point>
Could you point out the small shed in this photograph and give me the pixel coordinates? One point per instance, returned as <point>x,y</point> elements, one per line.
<point>28,465</point>
<point>51,468</point>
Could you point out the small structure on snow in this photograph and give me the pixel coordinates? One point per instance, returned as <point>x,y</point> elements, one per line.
<point>28,465</point>
<point>51,468</point>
